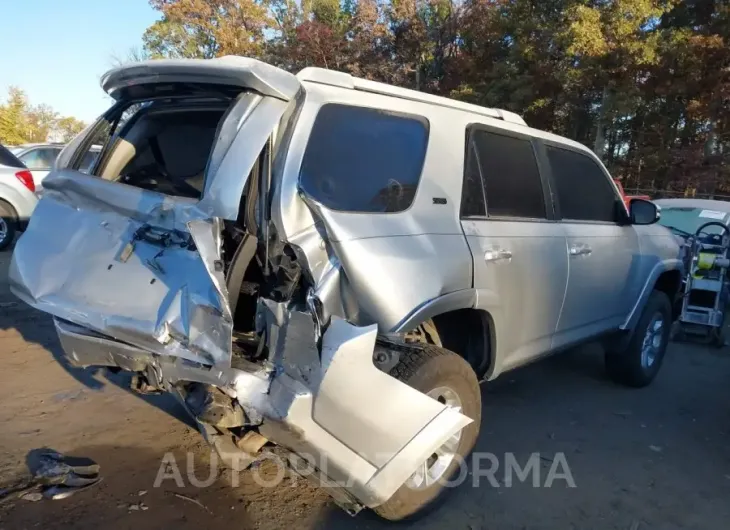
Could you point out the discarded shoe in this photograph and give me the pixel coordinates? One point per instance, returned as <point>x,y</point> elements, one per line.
<point>62,476</point>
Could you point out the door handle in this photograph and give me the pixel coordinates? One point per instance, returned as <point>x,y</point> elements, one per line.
<point>580,249</point>
<point>496,254</point>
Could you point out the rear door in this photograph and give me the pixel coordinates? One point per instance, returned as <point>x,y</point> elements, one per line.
<point>520,261</point>
<point>134,264</point>
<point>603,249</point>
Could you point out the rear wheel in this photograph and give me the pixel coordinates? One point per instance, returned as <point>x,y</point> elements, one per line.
<point>8,223</point>
<point>448,378</point>
<point>638,363</point>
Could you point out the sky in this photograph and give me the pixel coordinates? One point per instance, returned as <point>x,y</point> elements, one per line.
<point>57,51</point>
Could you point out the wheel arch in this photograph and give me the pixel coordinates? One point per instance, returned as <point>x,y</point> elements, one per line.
<point>462,327</point>
<point>670,283</point>
<point>666,276</point>
<point>10,206</point>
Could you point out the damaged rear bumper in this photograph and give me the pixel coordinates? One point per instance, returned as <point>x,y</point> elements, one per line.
<point>364,431</point>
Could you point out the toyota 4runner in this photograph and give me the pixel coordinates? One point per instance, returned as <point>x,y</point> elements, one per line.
<point>329,266</point>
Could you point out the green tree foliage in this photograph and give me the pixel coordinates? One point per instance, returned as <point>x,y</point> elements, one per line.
<point>645,83</point>
<point>21,122</point>
<point>67,128</point>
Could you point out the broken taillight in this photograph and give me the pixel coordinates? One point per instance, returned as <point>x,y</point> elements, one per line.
<point>26,177</point>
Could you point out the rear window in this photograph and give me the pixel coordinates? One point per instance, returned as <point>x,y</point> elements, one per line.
<point>9,159</point>
<point>364,160</point>
<point>157,146</point>
<point>510,175</point>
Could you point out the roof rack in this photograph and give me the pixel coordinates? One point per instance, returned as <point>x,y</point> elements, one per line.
<point>345,80</point>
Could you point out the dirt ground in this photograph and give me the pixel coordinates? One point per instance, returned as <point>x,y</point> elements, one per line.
<point>656,458</point>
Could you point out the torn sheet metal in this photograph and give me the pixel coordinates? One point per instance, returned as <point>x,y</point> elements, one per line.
<point>292,341</point>
<point>338,410</point>
<point>124,262</point>
<point>139,266</point>
<point>223,188</point>
<point>344,414</point>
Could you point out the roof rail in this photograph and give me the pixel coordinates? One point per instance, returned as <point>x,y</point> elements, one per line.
<point>345,80</point>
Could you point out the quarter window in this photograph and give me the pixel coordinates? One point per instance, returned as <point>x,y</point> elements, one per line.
<point>364,160</point>
<point>509,174</point>
<point>582,188</point>
<point>472,193</point>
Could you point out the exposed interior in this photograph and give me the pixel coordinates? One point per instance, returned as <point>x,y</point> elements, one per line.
<point>163,146</point>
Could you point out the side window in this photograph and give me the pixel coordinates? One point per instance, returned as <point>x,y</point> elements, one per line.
<point>88,159</point>
<point>98,141</point>
<point>510,176</point>
<point>582,188</point>
<point>102,136</point>
<point>364,160</point>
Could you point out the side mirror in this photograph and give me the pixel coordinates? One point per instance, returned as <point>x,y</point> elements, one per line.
<point>643,212</point>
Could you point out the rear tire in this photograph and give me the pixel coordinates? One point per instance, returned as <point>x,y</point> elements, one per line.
<point>428,368</point>
<point>639,362</point>
<point>8,224</point>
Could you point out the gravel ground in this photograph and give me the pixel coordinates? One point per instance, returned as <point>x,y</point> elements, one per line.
<point>655,458</point>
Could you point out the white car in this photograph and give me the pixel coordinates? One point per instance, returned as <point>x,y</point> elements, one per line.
<point>39,159</point>
<point>17,196</point>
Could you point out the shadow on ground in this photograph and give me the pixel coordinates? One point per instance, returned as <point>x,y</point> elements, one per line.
<point>37,328</point>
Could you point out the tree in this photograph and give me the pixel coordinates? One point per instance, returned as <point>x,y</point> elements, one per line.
<point>67,128</point>
<point>207,28</point>
<point>40,121</point>
<point>646,83</point>
<point>133,55</point>
<point>20,122</point>
<point>13,118</point>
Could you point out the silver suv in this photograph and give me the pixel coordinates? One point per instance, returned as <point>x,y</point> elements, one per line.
<point>329,266</point>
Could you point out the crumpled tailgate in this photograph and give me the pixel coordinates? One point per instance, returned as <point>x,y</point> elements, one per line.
<point>122,261</point>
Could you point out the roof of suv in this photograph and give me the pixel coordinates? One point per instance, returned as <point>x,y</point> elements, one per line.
<point>344,80</point>
<point>275,82</point>
<point>270,80</point>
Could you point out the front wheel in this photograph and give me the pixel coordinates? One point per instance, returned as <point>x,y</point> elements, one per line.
<point>638,363</point>
<point>448,378</point>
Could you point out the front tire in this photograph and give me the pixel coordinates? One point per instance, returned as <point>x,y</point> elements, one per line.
<point>449,378</point>
<point>639,362</point>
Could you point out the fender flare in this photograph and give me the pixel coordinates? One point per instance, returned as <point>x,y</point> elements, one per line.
<point>462,299</point>
<point>483,300</point>
<point>659,268</point>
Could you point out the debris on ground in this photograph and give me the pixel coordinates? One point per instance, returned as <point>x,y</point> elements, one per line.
<point>141,493</point>
<point>32,496</point>
<point>58,476</point>
<point>137,507</point>
<point>655,448</point>
<point>190,499</point>
<point>17,490</point>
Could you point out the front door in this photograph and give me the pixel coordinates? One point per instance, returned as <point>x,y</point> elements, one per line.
<point>602,249</point>
<point>520,259</point>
